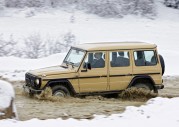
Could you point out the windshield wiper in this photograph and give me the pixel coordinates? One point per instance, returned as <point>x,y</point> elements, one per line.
<point>63,66</point>
<point>71,63</point>
<point>66,62</point>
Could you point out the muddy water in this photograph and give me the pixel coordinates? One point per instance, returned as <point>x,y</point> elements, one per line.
<point>171,87</point>
<point>29,108</point>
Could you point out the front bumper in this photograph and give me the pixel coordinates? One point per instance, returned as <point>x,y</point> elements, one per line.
<point>159,86</point>
<point>30,90</point>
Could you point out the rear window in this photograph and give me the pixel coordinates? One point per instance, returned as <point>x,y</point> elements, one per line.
<point>119,59</point>
<point>145,58</point>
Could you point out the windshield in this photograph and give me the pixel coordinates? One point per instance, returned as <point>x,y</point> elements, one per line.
<point>74,57</point>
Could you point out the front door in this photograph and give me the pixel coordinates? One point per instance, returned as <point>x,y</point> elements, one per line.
<point>93,80</point>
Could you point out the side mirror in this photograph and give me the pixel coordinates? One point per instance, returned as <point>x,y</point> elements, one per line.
<point>86,66</point>
<point>89,66</point>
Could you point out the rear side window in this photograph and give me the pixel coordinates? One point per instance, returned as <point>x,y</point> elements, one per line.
<point>119,59</point>
<point>145,58</point>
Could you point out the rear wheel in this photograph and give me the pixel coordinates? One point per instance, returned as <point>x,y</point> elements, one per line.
<point>143,86</point>
<point>60,91</point>
<point>146,86</point>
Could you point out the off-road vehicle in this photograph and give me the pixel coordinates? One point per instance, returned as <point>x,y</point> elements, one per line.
<point>101,68</point>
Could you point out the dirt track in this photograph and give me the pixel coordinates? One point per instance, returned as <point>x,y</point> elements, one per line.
<point>29,108</point>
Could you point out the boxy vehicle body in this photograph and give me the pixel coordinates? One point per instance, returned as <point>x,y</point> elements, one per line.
<point>101,68</point>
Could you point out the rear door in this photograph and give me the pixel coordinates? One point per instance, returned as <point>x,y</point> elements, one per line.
<point>120,69</point>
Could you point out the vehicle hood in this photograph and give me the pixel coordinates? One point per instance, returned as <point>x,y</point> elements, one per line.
<point>49,71</point>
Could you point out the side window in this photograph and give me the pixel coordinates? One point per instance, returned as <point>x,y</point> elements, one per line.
<point>119,59</point>
<point>145,58</point>
<point>96,59</point>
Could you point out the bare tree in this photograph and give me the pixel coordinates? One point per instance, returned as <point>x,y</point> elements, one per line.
<point>54,46</point>
<point>57,46</point>
<point>2,4</point>
<point>7,46</point>
<point>34,47</point>
<point>69,39</point>
<point>103,8</point>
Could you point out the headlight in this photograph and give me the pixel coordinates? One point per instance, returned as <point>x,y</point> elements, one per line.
<point>37,81</point>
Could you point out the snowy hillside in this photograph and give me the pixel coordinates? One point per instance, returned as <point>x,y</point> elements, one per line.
<point>102,8</point>
<point>52,24</point>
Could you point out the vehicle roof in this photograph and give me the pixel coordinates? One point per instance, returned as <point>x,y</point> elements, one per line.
<point>115,46</point>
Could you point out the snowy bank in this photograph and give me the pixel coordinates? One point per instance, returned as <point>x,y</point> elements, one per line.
<point>7,96</point>
<point>14,68</point>
<point>157,112</point>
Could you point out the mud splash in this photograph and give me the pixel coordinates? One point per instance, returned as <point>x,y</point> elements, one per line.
<point>137,94</point>
<point>131,94</point>
<point>47,95</point>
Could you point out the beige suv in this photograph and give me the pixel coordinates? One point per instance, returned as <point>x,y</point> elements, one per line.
<point>101,68</point>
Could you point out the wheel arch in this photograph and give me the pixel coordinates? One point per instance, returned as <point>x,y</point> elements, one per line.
<point>63,82</point>
<point>142,79</point>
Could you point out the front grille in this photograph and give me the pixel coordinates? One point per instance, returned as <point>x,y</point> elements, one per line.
<point>30,81</point>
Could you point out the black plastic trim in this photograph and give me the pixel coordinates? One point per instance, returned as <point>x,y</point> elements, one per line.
<point>142,77</point>
<point>100,92</point>
<point>58,81</point>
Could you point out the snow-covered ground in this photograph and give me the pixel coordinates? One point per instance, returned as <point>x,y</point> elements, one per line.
<point>163,31</point>
<point>7,94</point>
<point>14,68</point>
<point>157,112</point>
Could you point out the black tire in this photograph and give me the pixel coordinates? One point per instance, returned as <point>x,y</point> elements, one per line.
<point>162,64</point>
<point>60,91</point>
<point>143,86</point>
<point>146,86</point>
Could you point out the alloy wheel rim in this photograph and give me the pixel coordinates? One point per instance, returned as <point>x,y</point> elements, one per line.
<point>59,93</point>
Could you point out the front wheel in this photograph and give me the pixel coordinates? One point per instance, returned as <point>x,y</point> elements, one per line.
<point>60,91</point>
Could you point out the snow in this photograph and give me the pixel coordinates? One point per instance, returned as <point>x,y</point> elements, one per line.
<point>6,94</point>
<point>53,23</point>
<point>14,68</point>
<point>156,112</point>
